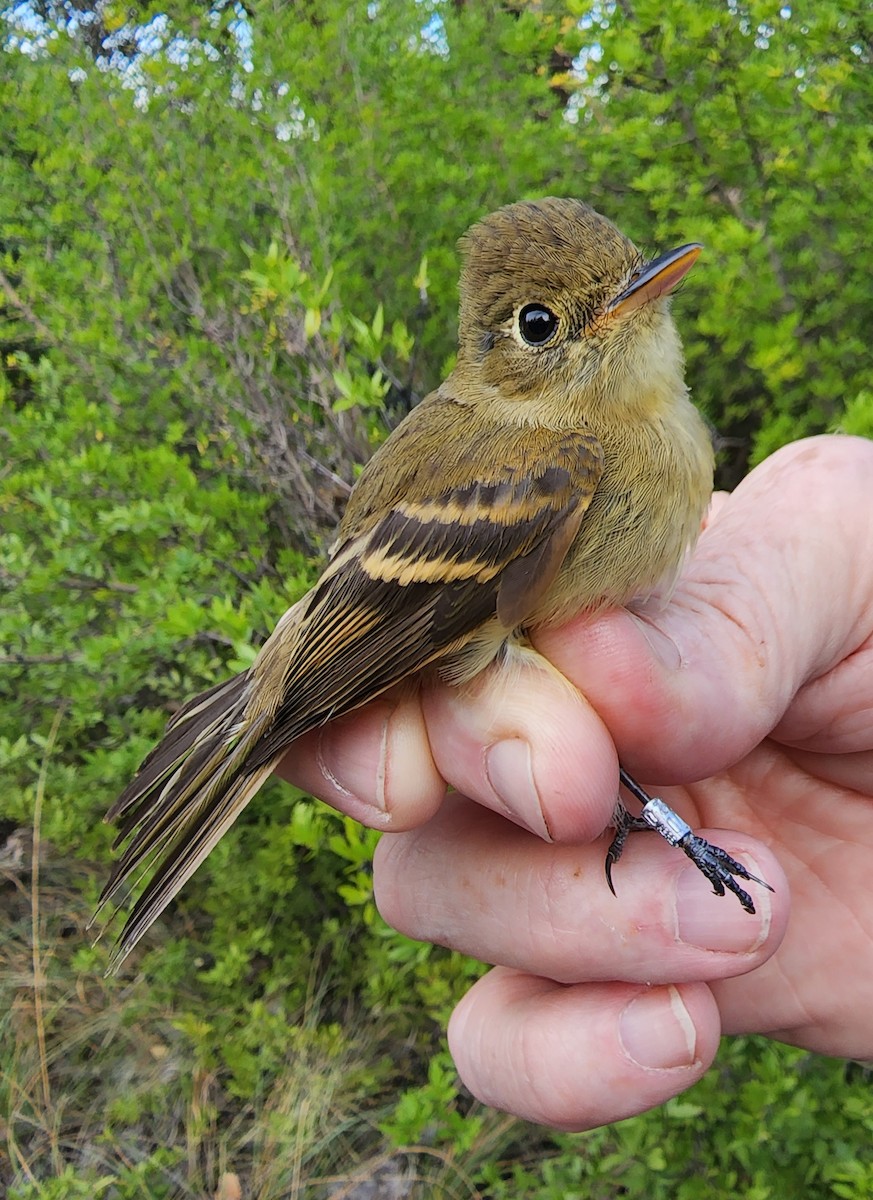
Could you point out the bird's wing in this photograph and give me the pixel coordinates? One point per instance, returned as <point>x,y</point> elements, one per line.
<point>406,588</point>
<point>424,577</point>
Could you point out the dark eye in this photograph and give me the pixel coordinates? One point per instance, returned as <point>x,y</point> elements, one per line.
<point>536,324</point>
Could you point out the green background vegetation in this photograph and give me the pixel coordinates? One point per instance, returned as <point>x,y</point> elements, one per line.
<point>227,267</point>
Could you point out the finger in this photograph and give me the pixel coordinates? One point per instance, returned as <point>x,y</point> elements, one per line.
<point>833,712</point>
<point>374,765</point>
<point>778,593</point>
<point>477,884</point>
<point>577,1057</point>
<point>521,741</point>
<point>853,771</point>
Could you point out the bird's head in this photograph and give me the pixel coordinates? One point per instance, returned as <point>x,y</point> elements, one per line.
<point>556,303</point>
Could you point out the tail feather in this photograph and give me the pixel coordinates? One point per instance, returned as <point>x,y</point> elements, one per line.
<point>185,796</point>
<point>185,728</point>
<point>192,844</point>
<point>210,769</point>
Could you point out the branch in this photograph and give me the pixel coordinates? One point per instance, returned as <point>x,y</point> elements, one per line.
<point>30,660</point>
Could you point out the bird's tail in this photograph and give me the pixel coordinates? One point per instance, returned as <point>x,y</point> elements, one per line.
<point>182,800</point>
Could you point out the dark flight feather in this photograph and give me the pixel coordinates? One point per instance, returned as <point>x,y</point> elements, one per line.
<point>407,588</point>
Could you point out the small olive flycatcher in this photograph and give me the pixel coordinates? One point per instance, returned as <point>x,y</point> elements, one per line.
<point>559,469</point>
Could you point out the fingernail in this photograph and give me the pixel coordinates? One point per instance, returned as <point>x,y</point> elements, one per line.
<point>358,765</point>
<point>712,922</point>
<point>656,1031</point>
<point>509,770</point>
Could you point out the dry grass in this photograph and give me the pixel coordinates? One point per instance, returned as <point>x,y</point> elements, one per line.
<point>105,1090</point>
<point>101,1093</point>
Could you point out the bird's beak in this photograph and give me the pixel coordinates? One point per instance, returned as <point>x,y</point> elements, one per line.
<point>657,278</point>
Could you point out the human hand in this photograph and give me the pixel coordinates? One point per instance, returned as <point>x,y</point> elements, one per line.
<point>756,680</point>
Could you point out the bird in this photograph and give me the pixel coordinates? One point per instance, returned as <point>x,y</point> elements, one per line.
<point>560,468</point>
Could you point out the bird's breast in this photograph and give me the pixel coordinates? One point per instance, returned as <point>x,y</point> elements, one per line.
<point>643,518</point>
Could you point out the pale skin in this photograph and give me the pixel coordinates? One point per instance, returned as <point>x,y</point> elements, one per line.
<point>757,681</point>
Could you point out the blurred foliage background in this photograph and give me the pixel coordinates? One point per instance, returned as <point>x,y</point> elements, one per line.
<point>227,268</point>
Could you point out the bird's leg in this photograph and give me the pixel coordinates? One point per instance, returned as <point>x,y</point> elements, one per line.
<point>715,863</point>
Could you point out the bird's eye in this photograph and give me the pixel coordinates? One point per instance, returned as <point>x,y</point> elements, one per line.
<point>536,324</point>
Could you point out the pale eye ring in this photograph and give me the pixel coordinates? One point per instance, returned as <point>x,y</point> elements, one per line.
<point>536,324</point>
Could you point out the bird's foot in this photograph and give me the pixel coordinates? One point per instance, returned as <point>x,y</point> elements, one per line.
<point>717,865</point>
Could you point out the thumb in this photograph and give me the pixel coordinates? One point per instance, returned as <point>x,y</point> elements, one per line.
<point>778,592</point>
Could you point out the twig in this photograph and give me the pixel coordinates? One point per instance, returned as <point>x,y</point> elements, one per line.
<point>83,584</point>
<point>38,977</point>
<point>30,660</point>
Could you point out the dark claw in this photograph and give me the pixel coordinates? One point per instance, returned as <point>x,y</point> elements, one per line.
<point>716,864</point>
<point>613,854</point>
<point>624,824</point>
<point>720,869</point>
